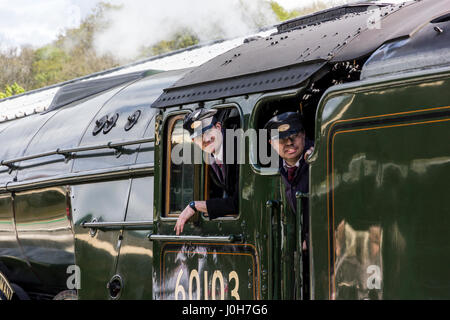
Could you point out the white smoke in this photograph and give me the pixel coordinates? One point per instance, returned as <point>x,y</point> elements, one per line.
<point>142,23</point>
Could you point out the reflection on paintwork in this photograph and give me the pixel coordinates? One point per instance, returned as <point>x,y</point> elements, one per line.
<point>334,109</point>
<point>45,234</point>
<point>18,135</point>
<point>420,166</point>
<point>140,204</point>
<point>386,170</point>
<point>136,254</point>
<point>12,261</point>
<point>104,246</point>
<point>97,255</point>
<point>356,164</point>
<point>360,167</point>
<point>60,133</point>
<point>358,266</point>
<point>432,84</point>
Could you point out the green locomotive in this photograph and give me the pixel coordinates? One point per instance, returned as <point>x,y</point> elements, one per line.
<point>89,195</point>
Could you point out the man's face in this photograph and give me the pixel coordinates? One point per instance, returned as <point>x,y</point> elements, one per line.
<point>211,140</point>
<point>290,148</point>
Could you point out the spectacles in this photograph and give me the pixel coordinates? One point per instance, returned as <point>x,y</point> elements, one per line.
<point>292,137</point>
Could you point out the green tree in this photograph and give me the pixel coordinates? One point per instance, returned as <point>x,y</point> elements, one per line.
<point>11,90</point>
<point>281,13</point>
<point>180,40</point>
<point>72,55</point>
<point>48,65</point>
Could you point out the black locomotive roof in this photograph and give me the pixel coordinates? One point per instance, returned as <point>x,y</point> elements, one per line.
<point>84,89</point>
<point>299,50</point>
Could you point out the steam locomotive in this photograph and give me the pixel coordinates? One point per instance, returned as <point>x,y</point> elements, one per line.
<point>89,196</point>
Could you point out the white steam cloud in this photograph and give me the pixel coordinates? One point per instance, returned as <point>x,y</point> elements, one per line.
<point>142,23</point>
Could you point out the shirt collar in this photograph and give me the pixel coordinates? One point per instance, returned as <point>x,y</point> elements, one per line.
<point>287,166</point>
<point>217,157</point>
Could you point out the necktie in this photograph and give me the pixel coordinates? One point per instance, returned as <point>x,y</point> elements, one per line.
<point>220,171</point>
<point>291,173</point>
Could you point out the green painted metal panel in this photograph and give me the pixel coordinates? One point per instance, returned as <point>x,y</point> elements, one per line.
<point>96,251</point>
<point>45,236</point>
<point>136,251</point>
<point>379,209</point>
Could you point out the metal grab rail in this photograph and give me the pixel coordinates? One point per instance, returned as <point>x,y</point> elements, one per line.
<point>299,281</point>
<point>118,146</point>
<point>220,239</point>
<point>119,224</point>
<point>272,207</point>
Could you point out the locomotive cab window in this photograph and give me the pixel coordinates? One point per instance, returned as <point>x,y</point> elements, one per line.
<point>217,181</point>
<point>268,109</point>
<point>190,177</point>
<point>180,177</point>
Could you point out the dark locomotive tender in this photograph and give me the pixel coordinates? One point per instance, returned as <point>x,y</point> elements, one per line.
<point>90,183</point>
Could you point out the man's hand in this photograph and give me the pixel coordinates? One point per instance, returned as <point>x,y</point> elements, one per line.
<point>187,213</point>
<point>309,152</point>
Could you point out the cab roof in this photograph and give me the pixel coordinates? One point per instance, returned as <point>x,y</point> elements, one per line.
<point>300,48</point>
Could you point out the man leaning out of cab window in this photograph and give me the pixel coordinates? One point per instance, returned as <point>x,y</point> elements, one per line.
<point>290,142</point>
<point>207,132</point>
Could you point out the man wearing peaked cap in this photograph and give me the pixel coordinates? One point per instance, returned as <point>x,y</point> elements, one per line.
<point>287,137</point>
<point>206,131</point>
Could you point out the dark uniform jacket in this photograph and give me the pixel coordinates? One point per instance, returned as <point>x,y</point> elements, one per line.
<point>299,183</point>
<point>225,187</point>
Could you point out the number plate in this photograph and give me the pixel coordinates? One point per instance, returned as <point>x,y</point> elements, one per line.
<point>208,272</point>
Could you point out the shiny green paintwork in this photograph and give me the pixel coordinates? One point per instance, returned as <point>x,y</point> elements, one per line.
<point>136,252</point>
<point>379,195</point>
<point>262,211</point>
<point>97,254</point>
<point>377,204</point>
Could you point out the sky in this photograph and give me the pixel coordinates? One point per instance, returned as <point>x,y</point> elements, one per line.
<point>36,23</point>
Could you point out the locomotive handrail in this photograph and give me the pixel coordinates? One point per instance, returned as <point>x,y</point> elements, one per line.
<point>221,239</point>
<point>117,224</point>
<point>299,246</point>
<point>97,175</point>
<point>275,247</point>
<point>118,146</point>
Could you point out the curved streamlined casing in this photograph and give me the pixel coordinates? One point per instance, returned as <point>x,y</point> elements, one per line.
<point>36,226</point>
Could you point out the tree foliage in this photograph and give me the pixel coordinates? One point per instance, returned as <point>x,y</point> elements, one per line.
<point>281,13</point>
<point>180,40</point>
<point>11,90</point>
<point>72,55</point>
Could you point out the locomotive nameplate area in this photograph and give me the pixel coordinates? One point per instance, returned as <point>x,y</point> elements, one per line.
<point>6,291</point>
<point>199,271</point>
